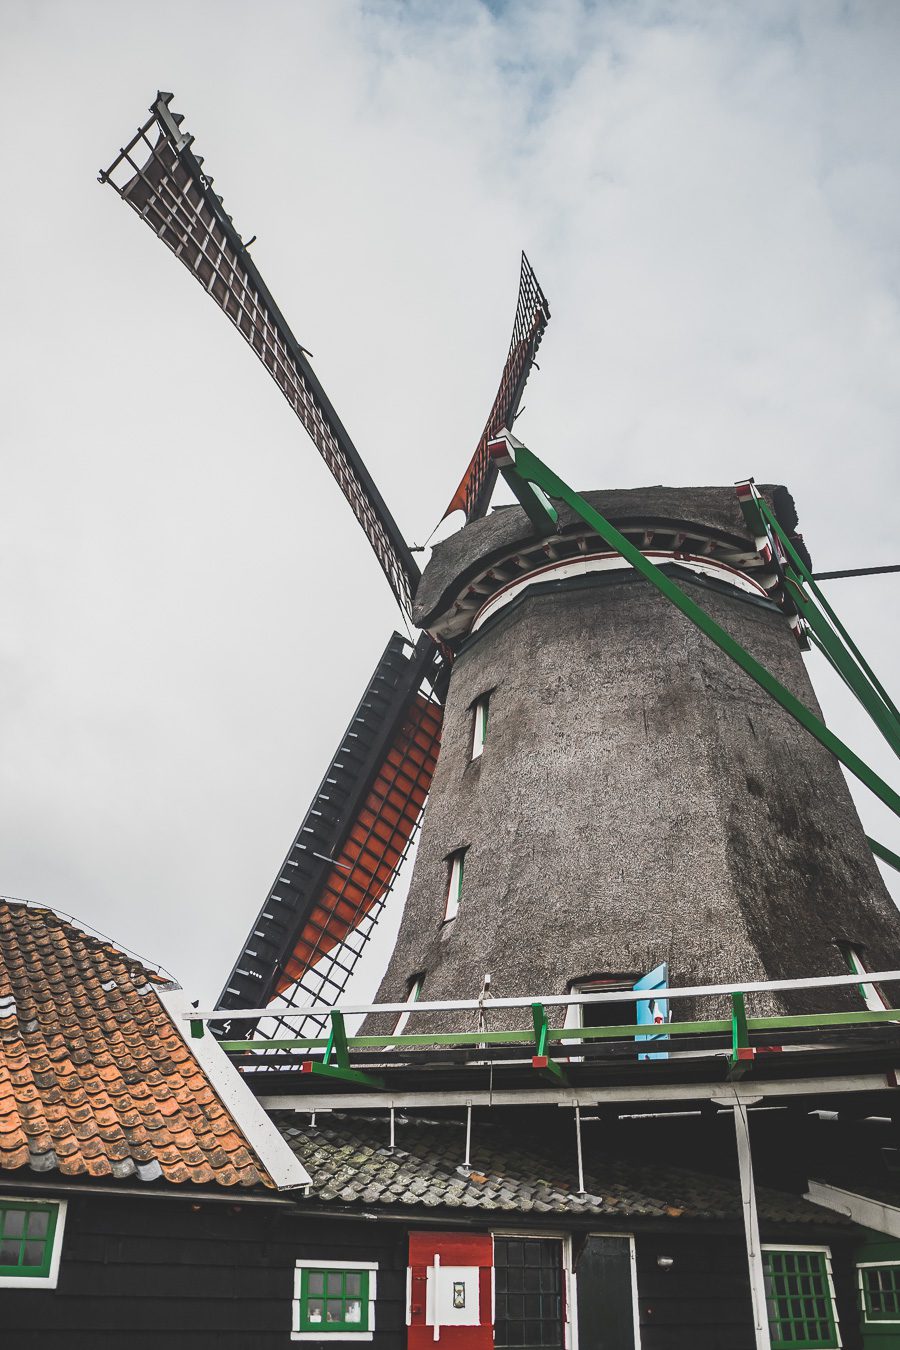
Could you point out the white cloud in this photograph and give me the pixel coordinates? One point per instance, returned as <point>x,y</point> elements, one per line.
<point>709,194</point>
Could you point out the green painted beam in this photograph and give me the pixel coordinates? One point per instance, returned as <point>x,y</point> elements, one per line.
<point>560,1035</point>
<point>477,1038</point>
<point>883,853</point>
<point>832,1020</point>
<point>809,580</point>
<point>533,470</point>
<point>344,1075</point>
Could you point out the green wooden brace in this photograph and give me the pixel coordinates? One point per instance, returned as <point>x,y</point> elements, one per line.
<point>533,470</point>
<point>540,1060</point>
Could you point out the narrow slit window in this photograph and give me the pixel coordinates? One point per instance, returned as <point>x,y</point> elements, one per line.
<point>455,865</point>
<point>480,709</point>
<point>855,964</point>
<point>415,989</point>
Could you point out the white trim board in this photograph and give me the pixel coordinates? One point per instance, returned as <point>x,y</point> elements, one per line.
<point>860,1208</point>
<point>260,1131</point>
<point>587,1096</point>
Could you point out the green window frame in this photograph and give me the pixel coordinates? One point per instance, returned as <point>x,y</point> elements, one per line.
<point>30,1240</point>
<point>879,1291</point>
<point>334,1299</point>
<point>800,1298</point>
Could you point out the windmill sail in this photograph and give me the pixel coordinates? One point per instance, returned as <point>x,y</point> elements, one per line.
<point>159,176</point>
<point>532,316</point>
<point>331,888</point>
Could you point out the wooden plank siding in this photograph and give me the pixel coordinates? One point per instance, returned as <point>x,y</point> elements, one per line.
<point>143,1273</point>
<point>702,1302</point>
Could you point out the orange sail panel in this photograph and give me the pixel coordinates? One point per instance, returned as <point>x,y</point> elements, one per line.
<point>377,842</point>
<point>532,316</point>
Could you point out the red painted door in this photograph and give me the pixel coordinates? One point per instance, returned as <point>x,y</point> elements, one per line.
<point>450,1303</point>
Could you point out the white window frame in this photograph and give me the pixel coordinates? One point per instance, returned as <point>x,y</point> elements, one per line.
<point>412,997</point>
<point>338,1263</point>
<point>875,1321</point>
<point>49,1280</point>
<point>455,870</point>
<point>480,714</point>
<point>812,1247</point>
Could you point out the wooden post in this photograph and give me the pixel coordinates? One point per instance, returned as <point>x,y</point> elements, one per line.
<point>751,1226</point>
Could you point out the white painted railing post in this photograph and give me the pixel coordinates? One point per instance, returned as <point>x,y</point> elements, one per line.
<point>751,1226</point>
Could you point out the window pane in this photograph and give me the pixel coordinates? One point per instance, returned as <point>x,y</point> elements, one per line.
<point>353,1283</point>
<point>315,1310</point>
<point>14,1223</point>
<point>9,1252</point>
<point>38,1221</point>
<point>334,1310</point>
<point>335,1280</point>
<point>354,1310</point>
<point>881,1293</point>
<point>528,1302</point>
<point>316,1282</point>
<point>34,1254</point>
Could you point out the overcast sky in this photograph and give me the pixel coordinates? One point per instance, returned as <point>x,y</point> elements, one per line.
<point>710,196</point>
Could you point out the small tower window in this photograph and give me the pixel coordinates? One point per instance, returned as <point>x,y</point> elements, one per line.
<point>454,883</point>
<point>479,723</point>
<point>855,964</point>
<point>415,989</point>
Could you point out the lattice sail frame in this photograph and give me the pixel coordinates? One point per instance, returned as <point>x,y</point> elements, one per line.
<point>350,909</point>
<point>170,192</point>
<point>332,887</point>
<point>532,316</point>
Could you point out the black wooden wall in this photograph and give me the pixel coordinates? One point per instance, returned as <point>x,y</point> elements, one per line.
<point>702,1301</point>
<point>173,1274</point>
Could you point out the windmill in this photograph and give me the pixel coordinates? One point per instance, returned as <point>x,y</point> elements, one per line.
<point>332,886</point>
<point>651,806</point>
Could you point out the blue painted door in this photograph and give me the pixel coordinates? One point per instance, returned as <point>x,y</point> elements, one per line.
<point>655,1011</point>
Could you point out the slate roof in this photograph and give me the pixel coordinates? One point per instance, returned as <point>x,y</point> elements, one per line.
<point>350,1163</point>
<point>95,1078</point>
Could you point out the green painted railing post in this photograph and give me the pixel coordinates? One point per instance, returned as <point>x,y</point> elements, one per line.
<point>540,1059</point>
<point>336,1050</point>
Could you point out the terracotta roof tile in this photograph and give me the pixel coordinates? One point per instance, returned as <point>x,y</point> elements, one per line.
<point>95,1078</point>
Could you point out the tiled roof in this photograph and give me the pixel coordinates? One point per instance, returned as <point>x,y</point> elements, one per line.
<point>94,1076</point>
<point>351,1164</point>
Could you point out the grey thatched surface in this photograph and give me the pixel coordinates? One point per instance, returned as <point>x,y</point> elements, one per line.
<point>463,554</point>
<point>350,1163</point>
<point>639,799</point>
